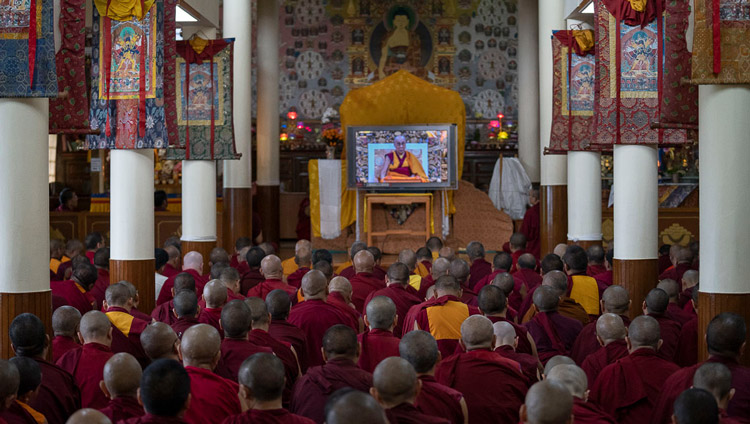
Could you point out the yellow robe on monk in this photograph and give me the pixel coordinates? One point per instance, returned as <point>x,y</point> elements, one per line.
<point>396,170</point>
<point>289,266</point>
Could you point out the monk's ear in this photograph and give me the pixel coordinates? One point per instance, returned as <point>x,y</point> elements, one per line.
<point>742,348</point>
<point>627,342</point>
<point>599,339</point>
<point>174,312</point>
<point>367,322</point>
<point>522,413</point>
<point>461,343</point>
<point>674,420</point>
<point>359,350</point>
<point>13,347</point>
<point>571,419</point>
<point>658,345</point>
<point>109,333</point>
<point>323,352</point>
<point>103,387</point>
<point>643,306</point>
<point>9,401</point>
<point>138,396</point>
<point>172,290</point>
<point>418,388</point>
<point>245,393</point>
<point>395,321</point>
<point>731,393</point>
<point>601,306</point>
<point>374,394</point>
<point>216,360</point>
<point>586,395</point>
<point>80,337</point>
<point>515,343</point>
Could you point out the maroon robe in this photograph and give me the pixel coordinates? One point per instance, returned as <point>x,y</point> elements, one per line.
<point>337,300</point>
<point>514,256</point>
<point>479,269</point>
<point>212,317</point>
<point>665,263</point>
<point>183,324</point>
<point>284,352</point>
<point>481,375</point>
<point>403,296</point>
<point>376,345</point>
<point>69,290</point>
<point>670,334</point>
<point>61,345</point>
<point>523,277</point>
<point>165,295</point>
<point>364,283</point>
<point>524,346</point>
<point>315,317</point>
<point>348,272</point>
<point>594,270</point>
<point>283,331</point>
<point>427,264</point>
<point>87,366</point>
<point>153,419</point>
<point>379,273</point>
<point>213,398</point>
<point>170,271</point>
<point>312,390</point>
<point>685,297</point>
<point>250,279</point>
<point>629,388</point>
<point>230,297</point>
<point>59,396</point>
<point>595,362</point>
<point>295,279</point>
<point>427,282</point>
<point>233,354</point>
<point>122,408</point>
<point>687,347</point>
<point>469,297</point>
<point>419,314</point>
<point>604,280</point>
<point>529,364</point>
<point>406,413</point>
<point>682,380</point>
<point>676,272</point>
<point>262,289</point>
<point>586,343</point>
<point>272,416</point>
<point>17,414</point>
<point>163,313</point>
<point>61,271</point>
<point>100,286</point>
<point>486,280</point>
<point>589,413</point>
<point>553,334</point>
<point>678,314</point>
<point>439,400</point>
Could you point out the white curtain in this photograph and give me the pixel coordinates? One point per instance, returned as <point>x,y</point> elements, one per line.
<point>509,189</point>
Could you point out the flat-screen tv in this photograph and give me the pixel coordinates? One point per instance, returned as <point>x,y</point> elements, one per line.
<point>403,157</point>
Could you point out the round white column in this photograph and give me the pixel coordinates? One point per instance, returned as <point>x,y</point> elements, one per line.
<point>24,211</point>
<point>198,200</point>
<point>584,196</point>
<point>131,206</point>
<point>268,93</point>
<point>636,209</point>
<point>724,192</point>
<point>528,87</point>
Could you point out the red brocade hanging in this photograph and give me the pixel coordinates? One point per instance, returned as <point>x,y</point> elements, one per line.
<point>721,42</point>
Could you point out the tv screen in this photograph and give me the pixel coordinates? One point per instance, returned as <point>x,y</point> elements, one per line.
<point>405,157</point>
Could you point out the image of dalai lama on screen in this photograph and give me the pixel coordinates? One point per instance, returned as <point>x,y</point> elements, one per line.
<point>401,165</point>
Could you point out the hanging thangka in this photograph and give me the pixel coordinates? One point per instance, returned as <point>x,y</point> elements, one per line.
<point>127,93</point>
<point>630,81</point>
<point>573,88</point>
<point>204,100</point>
<point>27,49</point>
<point>721,46</point>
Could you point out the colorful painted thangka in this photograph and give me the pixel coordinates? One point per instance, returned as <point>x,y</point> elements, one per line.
<point>127,93</point>
<point>573,87</point>
<point>204,100</point>
<point>27,49</point>
<point>630,82</point>
<point>721,46</point>
<point>69,113</point>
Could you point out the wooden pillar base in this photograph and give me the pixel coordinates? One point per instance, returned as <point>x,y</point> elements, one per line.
<point>712,304</point>
<point>554,217</point>
<point>268,207</point>
<point>202,247</point>
<point>14,304</point>
<point>141,273</point>
<point>585,243</point>
<point>639,276</point>
<point>237,216</point>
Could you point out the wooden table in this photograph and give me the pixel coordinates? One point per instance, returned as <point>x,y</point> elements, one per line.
<point>398,199</point>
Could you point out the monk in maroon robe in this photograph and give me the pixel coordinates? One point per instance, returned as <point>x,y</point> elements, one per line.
<point>655,306</point>
<point>363,282</point>
<point>59,396</point>
<point>480,374</point>
<point>165,312</point>
<point>553,333</point>
<point>101,262</point>
<point>400,292</point>
<point>501,262</point>
<point>480,268</point>
<point>615,300</point>
<point>127,329</point>
<point>76,291</point>
<point>250,269</point>
<point>340,296</point>
<point>165,392</point>
<point>567,306</point>
<point>517,245</point>
<point>159,341</point>
<point>610,334</point>
<point>235,348</point>
<point>347,270</point>
<point>596,257</point>
<point>505,282</point>
<point>629,388</point>
<point>689,284</point>
<point>122,378</point>
<point>278,304</point>
<point>303,259</point>
<point>493,304</point>
<point>395,387</point>
<point>65,321</point>
<point>340,353</point>
<point>87,364</point>
<point>574,380</point>
<point>273,272</point>
<point>193,265</point>
<point>174,261</point>
<point>186,311</point>
<point>530,226</point>
<point>674,310</point>
<point>460,270</point>
<point>314,316</point>
<point>378,342</point>
<point>682,261</point>
<point>215,295</point>
<point>716,379</point>
<point>526,278</point>
<point>440,267</point>
<point>687,347</point>
<point>506,345</point>
<point>230,278</point>
<point>548,264</point>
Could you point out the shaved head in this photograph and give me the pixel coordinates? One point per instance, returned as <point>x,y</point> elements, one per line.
<point>254,256</point>
<point>303,254</point>
<point>215,294</point>
<point>118,294</point>
<point>340,341</point>
<point>610,327</point>
<point>477,333</point>
<point>504,281</point>
<point>28,335</point>
<point>644,331</point>
<point>460,270</point>
<point>434,243</point>
<point>571,377</point>
<point>696,406</point>
<point>595,254</point>
<point>527,261</point>
<point>355,407</point>
<point>95,327</point>
<point>357,246</point>
<point>122,375</point>
<point>395,382</point>
<point>714,377</point>
<point>263,374</point>
<point>420,349</point>
<point>267,247</point>
<point>551,262</point>
<point>200,345</point>
<point>278,302</point>
<point>218,255</point>
<point>408,258</point>
<point>184,281</point>
<point>657,301</point>
<point>364,261</point>
<point>558,280</point>
<point>325,267</point>
<point>447,253</point>
<point>502,262</point>
<point>505,334</point>
<point>518,241</point>
<point>172,251</point>
<point>690,278</point>
<point>726,334</point>
<point>194,261</point>
<point>557,360</point>
<point>671,287</point>
<point>185,304</point>
<point>475,250</point>
<point>271,267</point>
<point>398,273</point>
<point>314,285</point>
<point>10,380</point>
<point>88,416</point>
<point>440,267</point>
<point>548,403</point>
<point>546,299</point>
<point>341,285</point>
<point>447,285</point>
<point>159,341</point>
<point>616,300</point>
<point>560,249</point>
<point>165,387</point>
<point>259,316</point>
<point>381,312</point>
<point>235,319</point>
<point>65,321</point>
<point>491,300</point>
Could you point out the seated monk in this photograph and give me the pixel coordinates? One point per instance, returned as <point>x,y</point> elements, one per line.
<point>314,316</point>
<point>303,260</point>
<point>461,271</point>
<point>378,271</point>
<point>378,342</point>
<point>87,364</point>
<point>526,279</point>
<point>235,348</point>
<point>501,262</point>
<point>215,296</point>
<point>363,282</point>
<point>400,165</point>
<point>553,333</point>
<point>273,273</point>
<point>555,361</point>
<point>480,268</point>
<point>583,288</point>
<point>440,267</point>
<point>73,249</point>
<point>506,345</point>
<point>567,306</point>
<point>58,396</point>
<point>347,268</point>
<point>605,279</point>
<point>340,353</point>
<point>696,406</point>
<point>212,398</point>
<point>547,403</point>
<point>230,278</point>
<point>596,260</point>
<point>65,321</point>
<point>10,380</point>
<point>76,290</point>
<point>165,394</point>
<point>399,291</point>
<point>340,295</point>
<point>610,334</point>
<point>354,406</point>
<point>481,374</point>
<point>725,339</point>
<point>442,316</point>
<point>690,280</point>
<point>252,275</point>
<point>416,270</point>
<point>395,387</point>
<point>101,263</point>
<point>615,300</point>
<point>133,305</point>
<point>682,260</point>
<point>186,310</point>
<point>323,266</point>
<point>122,378</point>
<point>574,380</point>
<point>193,265</point>
<point>655,306</point>
<point>88,416</point>
<point>629,388</point>
<point>548,264</point>
<point>505,282</point>
<point>165,312</point>
<point>716,379</point>
<point>517,245</point>
<point>279,305</point>
<point>672,289</point>
<point>30,378</point>
<point>159,341</point>
<point>126,336</point>
<point>424,257</point>
<point>172,267</point>
<point>493,304</point>
<point>687,347</point>
<point>291,265</point>
<point>261,379</point>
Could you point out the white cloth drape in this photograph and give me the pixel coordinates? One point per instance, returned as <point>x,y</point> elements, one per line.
<point>511,192</point>
<point>329,182</point>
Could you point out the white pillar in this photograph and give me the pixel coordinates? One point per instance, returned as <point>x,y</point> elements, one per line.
<point>584,196</point>
<point>528,87</point>
<point>24,233</point>
<point>724,188</point>
<point>238,25</point>
<point>636,209</point>
<point>268,93</point>
<point>131,206</point>
<point>198,200</point>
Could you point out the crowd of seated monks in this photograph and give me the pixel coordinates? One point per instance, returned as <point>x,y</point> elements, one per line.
<point>432,338</point>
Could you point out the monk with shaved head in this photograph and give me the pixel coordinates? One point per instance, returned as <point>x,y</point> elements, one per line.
<point>183,281</point>
<point>10,379</point>
<point>215,296</point>
<point>164,393</point>
<point>65,322</point>
<point>355,406</point>
<point>122,378</point>
<point>193,265</point>
<point>690,280</point>
<point>526,279</point>
<point>30,378</point>
<point>480,268</point>
<point>480,374</point>
<point>347,269</point>
<point>395,387</point>
<point>88,416</point>
<point>314,316</point>
<point>716,379</point>
<point>553,333</point>
<point>213,398</point>
<point>364,282</point>
<point>610,334</point>
<point>273,273</point>
<point>567,307</point>
<point>235,348</point>
<point>279,306</point>
<point>303,260</point>
<point>555,361</point>
<point>126,336</point>
<point>596,260</point>
<point>672,288</point>
<point>340,295</point>
<point>160,342</point>
<point>697,406</point>
<point>629,388</point>
<point>656,306</point>
<point>682,261</point>
<point>615,300</point>
<point>493,304</point>
<point>461,271</point>
<point>378,342</point>
<point>403,295</point>
<point>506,345</point>
<point>505,282</point>
<point>573,379</point>
<point>547,403</point>
<point>340,352</point>
<point>186,311</point>
<point>501,262</point>
<point>440,267</point>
